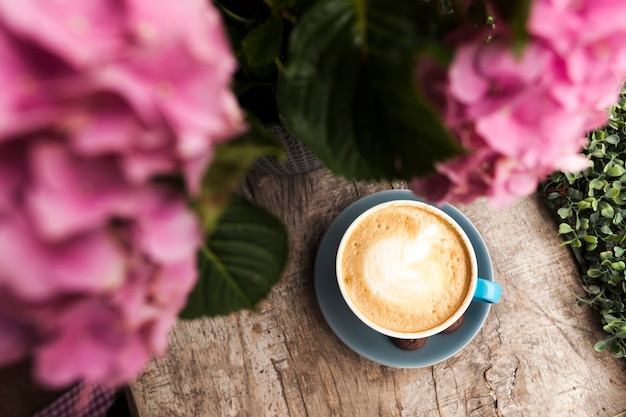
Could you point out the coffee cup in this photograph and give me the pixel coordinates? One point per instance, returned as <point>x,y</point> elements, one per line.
<point>408,270</point>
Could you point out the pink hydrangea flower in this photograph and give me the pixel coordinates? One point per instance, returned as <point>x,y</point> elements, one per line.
<point>589,40</point>
<point>94,296</point>
<point>170,63</point>
<point>520,118</point>
<point>99,99</point>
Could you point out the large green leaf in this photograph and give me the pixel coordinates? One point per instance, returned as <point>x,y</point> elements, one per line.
<point>240,262</point>
<point>256,38</point>
<point>263,44</point>
<point>349,91</point>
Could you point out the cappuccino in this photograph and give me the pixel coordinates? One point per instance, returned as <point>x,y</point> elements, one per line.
<point>406,268</point>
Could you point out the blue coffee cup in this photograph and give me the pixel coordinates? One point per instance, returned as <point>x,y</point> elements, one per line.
<point>473,289</point>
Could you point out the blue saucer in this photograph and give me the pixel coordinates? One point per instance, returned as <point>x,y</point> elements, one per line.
<point>369,343</point>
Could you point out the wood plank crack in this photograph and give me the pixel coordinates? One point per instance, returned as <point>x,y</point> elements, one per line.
<point>432,372</point>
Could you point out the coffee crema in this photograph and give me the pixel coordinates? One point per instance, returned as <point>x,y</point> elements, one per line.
<point>405,268</point>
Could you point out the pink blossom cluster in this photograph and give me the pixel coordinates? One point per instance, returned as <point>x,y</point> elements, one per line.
<point>100,99</point>
<point>520,117</point>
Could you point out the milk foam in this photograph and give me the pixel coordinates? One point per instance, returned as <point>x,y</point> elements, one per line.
<point>406,268</point>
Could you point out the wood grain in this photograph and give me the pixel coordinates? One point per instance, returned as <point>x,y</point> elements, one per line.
<point>533,357</point>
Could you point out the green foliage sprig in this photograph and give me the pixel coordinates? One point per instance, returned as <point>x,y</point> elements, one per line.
<point>592,206</point>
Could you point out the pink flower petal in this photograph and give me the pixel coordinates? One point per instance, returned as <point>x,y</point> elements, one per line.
<point>167,230</point>
<point>467,84</point>
<point>89,334</point>
<point>71,194</point>
<point>101,124</point>
<point>37,270</point>
<point>67,27</point>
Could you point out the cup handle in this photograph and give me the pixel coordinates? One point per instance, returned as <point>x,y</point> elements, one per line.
<point>487,291</point>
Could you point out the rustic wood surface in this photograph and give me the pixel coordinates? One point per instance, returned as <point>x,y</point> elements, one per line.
<point>533,357</point>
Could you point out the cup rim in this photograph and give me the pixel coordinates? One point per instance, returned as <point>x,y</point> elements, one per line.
<point>394,333</point>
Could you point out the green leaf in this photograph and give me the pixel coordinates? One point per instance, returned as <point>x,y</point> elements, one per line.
<point>240,263</point>
<point>606,255</point>
<point>601,345</point>
<point>584,223</point>
<point>590,239</point>
<point>230,164</point>
<point>597,184</point>
<point>618,266</point>
<point>594,273</point>
<point>611,320</point>
<point>348,90</point>
<point>593,289</point>
<point>565,228</point>
<point>615,171</point>
<point>606,229</point>
<point>571,177</point>
<point>574,194</point>
<point>263,44</point>
<point>599,152</point>
<point>617,350</point>
<point>606,210</point>
<point>612,139</point>
<point>611,193</point>
<point>564,212</point>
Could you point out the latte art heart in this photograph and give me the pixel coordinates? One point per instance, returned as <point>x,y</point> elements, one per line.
<point>400,270</point>
<point>406,268</point>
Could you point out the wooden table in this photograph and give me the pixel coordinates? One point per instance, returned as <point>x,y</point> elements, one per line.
<point>533,357</point>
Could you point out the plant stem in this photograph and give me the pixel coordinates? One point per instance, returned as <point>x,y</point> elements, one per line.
<point>279,64</point>
<point>361,13</point>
